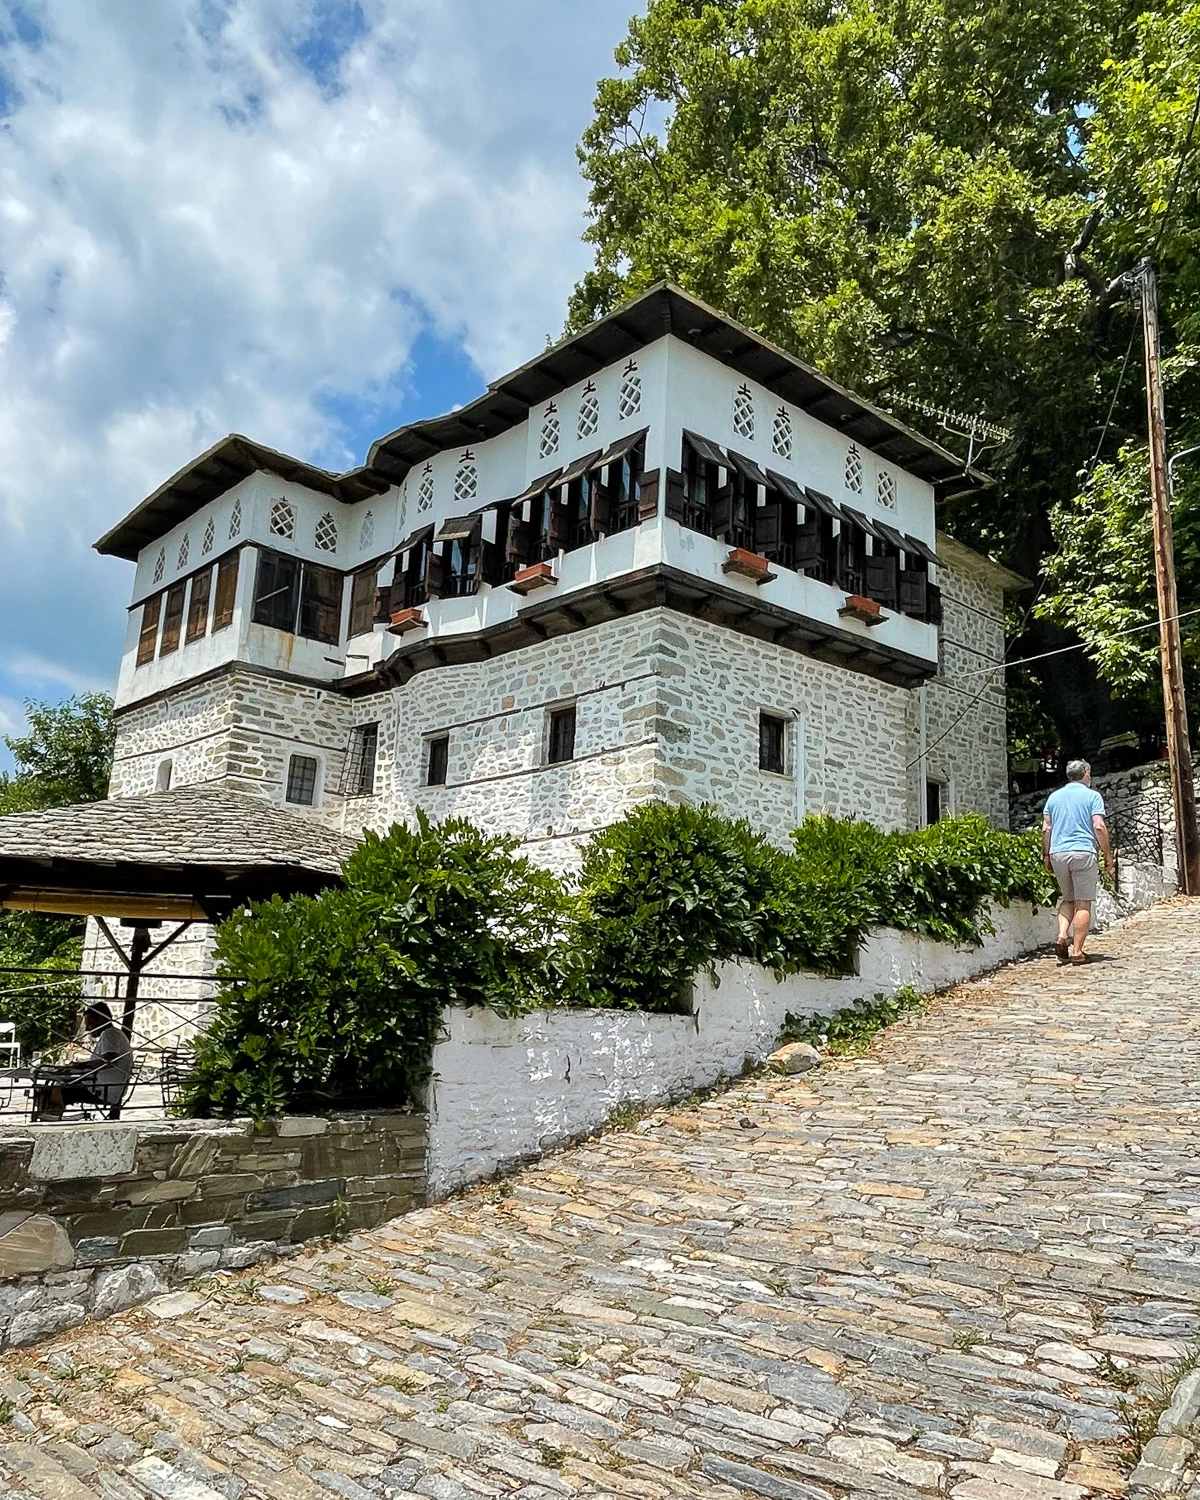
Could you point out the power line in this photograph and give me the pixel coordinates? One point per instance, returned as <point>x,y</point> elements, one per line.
<point>1112,405</point>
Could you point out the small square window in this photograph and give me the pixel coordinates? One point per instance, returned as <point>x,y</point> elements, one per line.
<point>302,780</point>
<point>772,744</point>
<point>561,742</point>
<point>438,762</point>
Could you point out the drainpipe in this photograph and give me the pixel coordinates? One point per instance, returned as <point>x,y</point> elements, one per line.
<point>922,811</point>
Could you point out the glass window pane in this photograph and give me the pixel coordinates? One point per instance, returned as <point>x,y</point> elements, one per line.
<point>275,591</point>
<point>302,780</point>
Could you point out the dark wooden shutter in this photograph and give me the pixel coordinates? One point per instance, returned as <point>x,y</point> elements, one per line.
<point>491,562</point>
<point>914,592</point>
<point>768,528</point>
<point>148,634</point>
<point>197,616</point>
<point>276,591</point>
<point>648,492</point>
<point>808,545</point>
<point>173,619</point>
<point>362,602</point>
<point>559,529</point>
<point>435,575</point>
<point>720,512</point>
<point>321,604</point>
<point>227,577</point>
<point>879,579</point>
<point>519,541</point>
<point>386,599</point>
<point>600,506</point>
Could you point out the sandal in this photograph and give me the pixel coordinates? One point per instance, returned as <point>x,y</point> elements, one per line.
<point>1078,958</point>
<point>1063,950</point>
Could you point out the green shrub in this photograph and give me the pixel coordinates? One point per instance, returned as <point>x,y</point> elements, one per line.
<point>334,999</point>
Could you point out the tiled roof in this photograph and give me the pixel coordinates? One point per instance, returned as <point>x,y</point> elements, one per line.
<point>203,825</point>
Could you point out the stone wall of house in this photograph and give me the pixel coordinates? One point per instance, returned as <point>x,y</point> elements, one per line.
<point>95,1218</point>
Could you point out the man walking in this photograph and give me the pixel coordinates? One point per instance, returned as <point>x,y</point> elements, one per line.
<point>1072,829</point>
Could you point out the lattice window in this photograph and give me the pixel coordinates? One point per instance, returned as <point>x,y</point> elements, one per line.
<point>425,489</point>
<point>854,471</point>
<point>210,536</point>
<point>466,480</point>
<point>743,412</point>
<point>283,519</point>
<point>550,432</point>
<point>184,548</point>
<point>160,564</point>
<point>781,433</point>
<point>630,401</point>
<point>366,534</point>
<point>235,520</point>
<point>589,411</point>
<point>325,533</point>
<point>885,490</point>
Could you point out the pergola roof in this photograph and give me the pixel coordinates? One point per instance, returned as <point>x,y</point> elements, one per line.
<point>194,852</point>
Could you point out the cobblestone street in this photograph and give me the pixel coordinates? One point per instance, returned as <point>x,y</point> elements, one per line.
<point>929,1270</point>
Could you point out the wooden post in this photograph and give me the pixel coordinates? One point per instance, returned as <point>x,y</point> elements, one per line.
<point>1178,747</point>
<point>138,949</point>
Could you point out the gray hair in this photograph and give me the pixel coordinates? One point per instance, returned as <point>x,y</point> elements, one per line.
<point>1077,770</point>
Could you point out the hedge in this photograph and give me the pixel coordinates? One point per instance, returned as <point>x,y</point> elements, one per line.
<point>335,999</point>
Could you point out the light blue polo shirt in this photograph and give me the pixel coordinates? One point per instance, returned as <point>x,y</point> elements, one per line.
<point>1071,810</point>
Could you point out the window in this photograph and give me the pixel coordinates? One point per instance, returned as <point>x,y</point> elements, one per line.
<point>589,412</point>
<point>629,403</point>
<point>781,433</point>
<point>300,597</point>
<point>235,520</point>
<point>466,482</point>
<point>325,534</point>
<point>437,761</point>
<point>362,602</point>
<point>283,519</point>
<point>550,432</point>
<point>854,471</point>
<point>743,412</point>
<point>210,536</point>
<point>302,780</point>
<point>366,533</point>
<point>772,744</point>
<point>227,576</point>
<point>148,634</point>
<point>561,741</point>
<point>172,619</point>
<point>197,616</point>
<point>425,489</point>
<point>181,561</point>
<point>162,778</point>
<point>359,779</point>
<point>160,564</point>
<point>885,490</point>
<point>935,796</point>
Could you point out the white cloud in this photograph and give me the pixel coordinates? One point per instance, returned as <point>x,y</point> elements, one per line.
<point>198,233</point>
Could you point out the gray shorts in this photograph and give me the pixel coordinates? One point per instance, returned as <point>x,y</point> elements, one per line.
<point>1077,874</point>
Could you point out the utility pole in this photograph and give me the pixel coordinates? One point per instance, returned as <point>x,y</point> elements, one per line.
<point>1183,790</point>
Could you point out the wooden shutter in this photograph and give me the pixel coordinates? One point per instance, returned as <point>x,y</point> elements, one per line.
<point>720,512</point>
<point>600,506</point>
<point>558,531</point>
<point>362,602</point>
<point>768,528</point>
<point>519,540</point>
<point>808,544</point>
<point>320,604</point>
<point>435,575</point>
<point>383,601</point>
<point>879,579</point>
<point>914,592</point>
<point>148,634</point>
<point>173,619</point>
<point>648,492</point>
<point>197,616</point>
<point>491,562</point>
<point>227,576</point>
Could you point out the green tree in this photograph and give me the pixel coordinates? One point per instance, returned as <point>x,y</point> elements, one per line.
<point>925,198</point>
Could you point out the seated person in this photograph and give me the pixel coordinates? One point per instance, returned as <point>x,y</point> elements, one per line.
<point>105,1078</point>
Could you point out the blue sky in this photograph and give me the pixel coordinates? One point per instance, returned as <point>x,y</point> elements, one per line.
<point>306,220</point>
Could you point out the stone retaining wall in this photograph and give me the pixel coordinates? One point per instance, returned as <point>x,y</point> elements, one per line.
<point>95,1218</point>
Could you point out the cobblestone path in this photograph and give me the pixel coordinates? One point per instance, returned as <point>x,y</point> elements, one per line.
<point>929,1270</point>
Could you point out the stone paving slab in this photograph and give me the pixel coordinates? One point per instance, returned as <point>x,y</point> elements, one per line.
<point>929,1271</point>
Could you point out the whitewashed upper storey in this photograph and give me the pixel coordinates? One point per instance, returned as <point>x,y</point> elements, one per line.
<point>738,445</point>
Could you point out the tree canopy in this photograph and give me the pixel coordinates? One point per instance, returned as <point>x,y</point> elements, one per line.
<point>930,199</point>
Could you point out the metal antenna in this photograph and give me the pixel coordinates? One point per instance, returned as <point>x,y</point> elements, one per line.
<point>958,423</point>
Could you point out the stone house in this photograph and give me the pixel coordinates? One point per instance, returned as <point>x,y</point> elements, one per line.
<point>662,559</point>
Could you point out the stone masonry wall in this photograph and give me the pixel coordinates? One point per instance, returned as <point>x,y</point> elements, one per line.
<point>95,1218</point>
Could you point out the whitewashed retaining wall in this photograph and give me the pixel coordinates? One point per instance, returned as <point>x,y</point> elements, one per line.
<point>504,1091</point>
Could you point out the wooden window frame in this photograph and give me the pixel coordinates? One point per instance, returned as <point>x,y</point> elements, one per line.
<point>199,599</point>
<point>562,726</point>
<point>437,760</point>
<point>303,774</point>
<point>772,743</point>
<point>147,642</point>
<point>225,593</point>
<point>173,612</point>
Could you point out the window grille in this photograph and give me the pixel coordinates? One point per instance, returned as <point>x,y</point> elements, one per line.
<point>854,471</point>
<point>561,739</point>
<point>781,433</point>
<point>629,403</point>
<point>184,548</point>
<point>366,533</point>
<point>425,489</point>
<point>437,760</point>
<point>235,520</point>
<point>210,536</point>
<point>302,780</point>
<point>466,484</point>
<point>325,533</point>
<point>160,564</point>
<point>885,490</point>
<point>743,412</point>
<point>589,411</point>
<point>283,519</point>
<point>772,744</point>
<point>358,773</point>
<point>550,432</point>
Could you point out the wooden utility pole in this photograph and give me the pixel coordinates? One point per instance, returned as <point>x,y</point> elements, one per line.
<point>1178,747</point>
